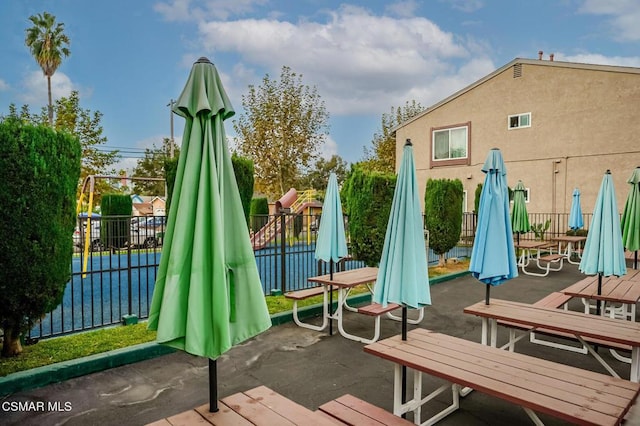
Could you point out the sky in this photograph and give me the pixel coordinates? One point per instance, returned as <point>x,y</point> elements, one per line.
<point>129,59</point>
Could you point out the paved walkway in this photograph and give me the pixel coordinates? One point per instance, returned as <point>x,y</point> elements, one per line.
<point>306,366</point>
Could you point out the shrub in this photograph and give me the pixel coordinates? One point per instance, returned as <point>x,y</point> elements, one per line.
<point>259,213</point>
<point>243,169</point>
<point>39,171</point>
<point>368,196</point>
<point>443,214</point>
<point>116,219</point>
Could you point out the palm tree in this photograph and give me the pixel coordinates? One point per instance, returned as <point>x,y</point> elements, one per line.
<point>48,43</point>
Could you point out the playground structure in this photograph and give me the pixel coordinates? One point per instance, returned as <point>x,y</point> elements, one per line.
<point>291,202</point>
<point>89,184</point>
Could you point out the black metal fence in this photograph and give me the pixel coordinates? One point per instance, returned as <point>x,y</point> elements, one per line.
<point>109,282</point>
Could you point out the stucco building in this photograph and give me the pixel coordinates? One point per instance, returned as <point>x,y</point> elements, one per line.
<point>559,125</point>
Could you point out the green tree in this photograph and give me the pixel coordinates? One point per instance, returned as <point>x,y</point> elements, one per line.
<point>284,124</point>
<point>368,196</point>
<point>151,165</point>
<point>39,171</point>
<point>48,43</point>
<point>382,155</point>
<point>318,177</point>
<point>85,125</point>
<point>443,214</point>
<point>116,220</point>
<point>243,170</point>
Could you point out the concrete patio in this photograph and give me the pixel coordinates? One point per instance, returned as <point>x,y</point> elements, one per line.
<point>308,367</point>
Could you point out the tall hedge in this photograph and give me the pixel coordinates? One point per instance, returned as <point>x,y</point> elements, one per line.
<point>259,213</point>
<point>170,169</point>
<point>443,214</point>
<point>39,171</point>
<point>243,169</point>
<point>367,199</point>
<point>116,219</point>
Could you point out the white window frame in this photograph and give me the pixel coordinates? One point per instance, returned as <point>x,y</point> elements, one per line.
<point>449,129</point>
<point>527,196</point>
<point>519,126</point>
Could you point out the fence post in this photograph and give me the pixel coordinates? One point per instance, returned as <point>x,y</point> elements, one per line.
<point>283,247</point>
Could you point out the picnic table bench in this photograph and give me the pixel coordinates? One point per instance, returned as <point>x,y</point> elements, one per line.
<point>568,393</point>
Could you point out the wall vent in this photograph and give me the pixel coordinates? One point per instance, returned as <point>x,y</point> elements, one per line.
<point>517,70</point>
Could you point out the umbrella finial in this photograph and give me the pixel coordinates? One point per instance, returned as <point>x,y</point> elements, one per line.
<point>608,172</point>
<point>203,60</point>
<point>408,142</point>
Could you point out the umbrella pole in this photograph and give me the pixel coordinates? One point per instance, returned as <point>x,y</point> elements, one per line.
<point>486,295</point>
<point>404,367</point>
<point>599,293</point>
<point>635,260</point>
<point>330,297</point>
<point>518,237</point>
<point>213,385</point>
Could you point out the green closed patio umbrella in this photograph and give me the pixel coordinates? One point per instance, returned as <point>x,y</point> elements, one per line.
<point>208,296</point>
<point>630,221</point>
<point>519,216</point>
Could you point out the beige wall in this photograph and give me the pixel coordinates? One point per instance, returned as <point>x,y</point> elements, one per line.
<point>584,120</point>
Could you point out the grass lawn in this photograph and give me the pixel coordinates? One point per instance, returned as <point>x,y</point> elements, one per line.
<point>78,345</point>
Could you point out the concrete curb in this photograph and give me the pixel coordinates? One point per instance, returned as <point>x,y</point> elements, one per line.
<point>54,373</point>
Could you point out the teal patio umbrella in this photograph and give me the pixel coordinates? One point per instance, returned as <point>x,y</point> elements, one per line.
<point>575,215</point>
<point>331,244</point>
<point>519,216</point>
<point>403,275</point>
<point>493,257</point>
<point>603,252</point>
<point>631,217</point>
<point>208,296</point>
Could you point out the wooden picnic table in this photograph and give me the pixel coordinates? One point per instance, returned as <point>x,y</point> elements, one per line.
<point>572,394</point>
<point>259,406</point>
<point>571,241</point>
<point>578,324</point>
<point>530,251</point>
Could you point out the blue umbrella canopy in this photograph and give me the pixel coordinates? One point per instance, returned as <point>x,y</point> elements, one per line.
<point>403,275</point>
<point>331,244</point>
<point>603,252</point>
<point>493,257</point>
<point>575,216</point>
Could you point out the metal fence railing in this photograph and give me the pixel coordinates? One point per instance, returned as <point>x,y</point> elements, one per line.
<point>120,270</point>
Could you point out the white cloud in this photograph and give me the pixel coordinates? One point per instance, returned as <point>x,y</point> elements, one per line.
<point>625,15</point>
<point>361,63</point>
<point>186,10</point>
<point>3,85</point>
<point>402,9</point>
<point>467,6</point>
<point>594,58</point>
<point>35,88</point>
<point>329,148</point>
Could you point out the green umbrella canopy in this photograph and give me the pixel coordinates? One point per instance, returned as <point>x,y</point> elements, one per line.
<point>208,295</point>
<point>519,215</point>
<point>631,215</point>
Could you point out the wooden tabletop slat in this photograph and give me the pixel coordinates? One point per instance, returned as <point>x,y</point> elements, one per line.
<point>188,418</point>
<point>349,278</point>
<point>608,329</point>
<point>225,416</point>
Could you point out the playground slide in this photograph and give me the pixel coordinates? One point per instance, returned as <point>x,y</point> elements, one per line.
<point>290,200</point>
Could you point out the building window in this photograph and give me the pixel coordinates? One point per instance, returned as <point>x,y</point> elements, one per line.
<point>527,195</point>
<point>450,145</point>
<point>519,120</point>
